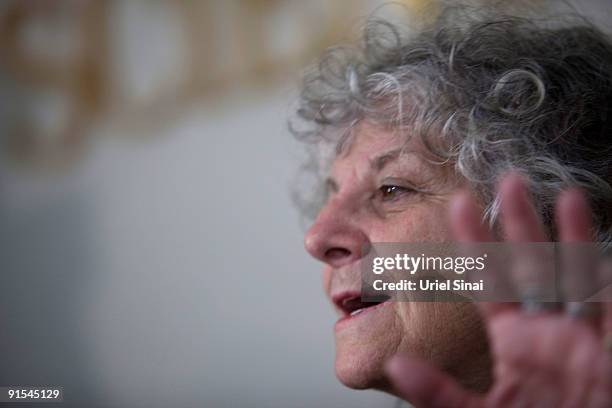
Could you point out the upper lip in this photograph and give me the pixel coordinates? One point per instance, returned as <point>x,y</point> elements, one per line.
<point>349,301</point>
<point>342,299</point>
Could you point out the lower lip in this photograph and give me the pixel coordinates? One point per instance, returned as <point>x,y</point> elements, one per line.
<point>344,320</point>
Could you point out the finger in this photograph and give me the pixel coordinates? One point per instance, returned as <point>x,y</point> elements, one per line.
<point>466,219</point>
<point>467,226</point>
<point>578,266</point>
<point>423,385</point>
<point>520,221</point>
<point>533,271</point>
<point>469,231</point>
<point>582,276</point>
<point>573,217</point>
<point>605,296</point>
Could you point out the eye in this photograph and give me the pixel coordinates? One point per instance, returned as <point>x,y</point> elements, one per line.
<point>389,192</point>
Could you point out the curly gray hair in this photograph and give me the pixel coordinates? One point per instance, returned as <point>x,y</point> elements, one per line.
<point>485,94</point>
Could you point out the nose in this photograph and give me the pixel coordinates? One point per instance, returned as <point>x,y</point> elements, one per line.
<point>336,238</point>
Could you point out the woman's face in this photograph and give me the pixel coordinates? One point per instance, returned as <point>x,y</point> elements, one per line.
<point>379,194</point>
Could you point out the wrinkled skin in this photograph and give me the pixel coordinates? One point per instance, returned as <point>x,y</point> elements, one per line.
<point>449,354</point>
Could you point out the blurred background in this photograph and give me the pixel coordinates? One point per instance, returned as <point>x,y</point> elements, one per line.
<point>150,253</point>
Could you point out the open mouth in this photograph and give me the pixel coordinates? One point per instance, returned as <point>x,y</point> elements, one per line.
<point>351,304</point>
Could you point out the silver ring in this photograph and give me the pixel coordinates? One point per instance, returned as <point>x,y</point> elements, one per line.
<point>533,307</point>
<point>531,303</point>
<point>584,310</point>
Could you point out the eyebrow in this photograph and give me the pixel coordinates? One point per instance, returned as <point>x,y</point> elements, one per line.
<point>377,163</point>
<point>380,161</point>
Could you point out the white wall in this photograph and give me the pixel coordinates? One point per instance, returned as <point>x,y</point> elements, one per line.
<point>171,272</point>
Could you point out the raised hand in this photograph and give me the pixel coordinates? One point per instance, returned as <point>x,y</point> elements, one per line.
<point>542,357</point>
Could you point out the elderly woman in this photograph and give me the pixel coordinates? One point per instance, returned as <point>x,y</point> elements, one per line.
<point>498,119</point>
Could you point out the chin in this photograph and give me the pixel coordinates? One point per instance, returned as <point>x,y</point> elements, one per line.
<point>363,346</point>
<point>359,369</point>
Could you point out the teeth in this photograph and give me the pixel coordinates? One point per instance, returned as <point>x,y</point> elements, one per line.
<point>356,312</point>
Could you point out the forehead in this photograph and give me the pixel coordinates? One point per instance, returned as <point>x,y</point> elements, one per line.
<point>371,148</point>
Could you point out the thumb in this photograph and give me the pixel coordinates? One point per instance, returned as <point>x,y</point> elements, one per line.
<point>425,386</point>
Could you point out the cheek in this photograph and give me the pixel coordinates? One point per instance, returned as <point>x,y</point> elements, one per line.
<point>426,222</point>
